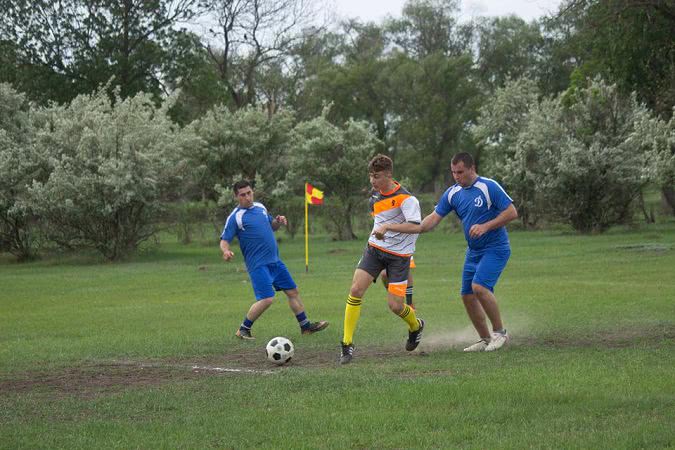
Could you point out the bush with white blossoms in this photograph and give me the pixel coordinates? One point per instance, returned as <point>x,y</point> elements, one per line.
<point>580,158</point>
<point>20,164</point>
<point>113,162</point>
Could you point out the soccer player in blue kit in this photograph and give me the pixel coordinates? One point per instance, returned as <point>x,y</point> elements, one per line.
<point>254,227</point>
<point>484,209</point>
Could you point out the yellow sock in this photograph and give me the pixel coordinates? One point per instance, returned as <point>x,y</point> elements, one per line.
<point>352,314</point>
<point>408,314</point>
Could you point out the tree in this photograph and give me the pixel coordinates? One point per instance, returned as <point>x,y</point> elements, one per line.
<point>113,162</point>
<point>432,102</point>
<point>249,35</point>
<point>189,70</point>
<point>508,48</point>
<point>429,27</point>
<point>332,158</point>
<point>73,46</point>
<point>629,43</point>
<point>353,80</point>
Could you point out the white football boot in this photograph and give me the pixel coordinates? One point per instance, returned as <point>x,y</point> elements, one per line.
<point>479,346</point>
<point>498,341</point>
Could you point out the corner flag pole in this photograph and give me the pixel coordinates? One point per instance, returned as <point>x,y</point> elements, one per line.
<point>306,231</point>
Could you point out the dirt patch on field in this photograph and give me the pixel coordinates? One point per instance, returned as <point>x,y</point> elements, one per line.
<point>619,338</point>
<point>94,379</point>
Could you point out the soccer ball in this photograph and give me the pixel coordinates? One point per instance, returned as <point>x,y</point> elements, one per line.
<point>279,350</point>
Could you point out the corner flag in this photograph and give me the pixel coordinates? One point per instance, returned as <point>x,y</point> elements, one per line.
<point>313,196</point>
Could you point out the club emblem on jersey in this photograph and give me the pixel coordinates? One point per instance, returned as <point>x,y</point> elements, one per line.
<point>478,201</point>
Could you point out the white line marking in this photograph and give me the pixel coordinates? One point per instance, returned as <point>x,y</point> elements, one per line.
<point>225,369</point>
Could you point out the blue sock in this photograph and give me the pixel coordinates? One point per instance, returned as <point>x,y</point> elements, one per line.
<point>302,320</point>
<point>246,324</point>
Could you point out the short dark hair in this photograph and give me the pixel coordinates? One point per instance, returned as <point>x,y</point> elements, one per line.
<point>464,157</point>
<point>240,184</point>
<point>380,163</point>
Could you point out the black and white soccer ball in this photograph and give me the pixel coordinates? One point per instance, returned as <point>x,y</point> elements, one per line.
<point>279,350</point>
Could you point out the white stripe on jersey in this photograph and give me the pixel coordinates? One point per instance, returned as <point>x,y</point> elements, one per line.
<point>239,212</point>
<point>484,189</point>
<point>455,189</point>
<point>499,186</point>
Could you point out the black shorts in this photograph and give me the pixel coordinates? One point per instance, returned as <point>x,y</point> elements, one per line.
<point>374,260</point>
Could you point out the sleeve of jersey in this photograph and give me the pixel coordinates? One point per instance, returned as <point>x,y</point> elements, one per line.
<point>443,207</point>
<point>500,198</point>
<point>411,210</point>
<point>230,229</point>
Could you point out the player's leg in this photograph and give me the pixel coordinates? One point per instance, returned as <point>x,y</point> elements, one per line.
<point>368,268</point>
<point>360,283</point>
<point>488,271</point>
<point>298,308</point>
<point>398,269</point>
<point>472,306</point>
<point>488,302</point>
<point>477,315</point>
<point>261,280</point>
<point>282,280</point>
<point>408,290</point>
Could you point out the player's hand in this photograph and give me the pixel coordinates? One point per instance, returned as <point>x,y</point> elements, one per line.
<point>281,220</point>
<point>477,230</point>
<point>228,255</point>
<point>379,232</point>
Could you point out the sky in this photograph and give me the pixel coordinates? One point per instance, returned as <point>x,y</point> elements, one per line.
<point>376,10</point>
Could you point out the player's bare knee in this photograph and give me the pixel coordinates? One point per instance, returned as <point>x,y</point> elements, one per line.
<point>395,306</point>
<point>265,302</point>
<point>292,294</point>
<point>468,298</point>
<point>479,290</point>
<point>356,290</point>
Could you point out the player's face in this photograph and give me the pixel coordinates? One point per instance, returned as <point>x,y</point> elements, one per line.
<point>462,175</point>
<point>381,181</point>
<point>245,197</point>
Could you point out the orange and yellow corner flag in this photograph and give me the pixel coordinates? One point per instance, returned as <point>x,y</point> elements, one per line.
<point>313,196</point>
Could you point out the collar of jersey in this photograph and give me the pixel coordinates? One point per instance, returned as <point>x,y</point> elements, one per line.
<point>471,185</point>
<point>397,186</point>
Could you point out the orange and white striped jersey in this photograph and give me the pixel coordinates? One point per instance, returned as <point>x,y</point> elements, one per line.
<point>397,206</point>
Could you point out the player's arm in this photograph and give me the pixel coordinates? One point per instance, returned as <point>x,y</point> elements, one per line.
<point>504,217</point>
<point>428,224</point>
<point>225,248</point>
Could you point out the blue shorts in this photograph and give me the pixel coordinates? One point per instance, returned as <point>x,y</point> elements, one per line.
<point>270,277</point>
<point>484,267</point>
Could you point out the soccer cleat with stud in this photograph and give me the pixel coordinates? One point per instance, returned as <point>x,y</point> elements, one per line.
<point>314,327</point>
<point>243,333</point>
<point>478,346</point>
<point>498,341</point>
<point>347,353</point>
<point>414,337</point>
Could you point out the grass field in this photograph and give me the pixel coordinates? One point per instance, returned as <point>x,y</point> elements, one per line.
<point>141,354</point>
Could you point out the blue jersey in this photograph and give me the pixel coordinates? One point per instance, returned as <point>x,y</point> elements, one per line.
<point>252,226</point>
<point>477,204</point>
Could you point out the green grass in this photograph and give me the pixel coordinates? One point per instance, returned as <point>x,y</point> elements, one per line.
<point>590,365</point>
